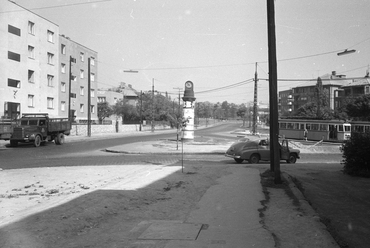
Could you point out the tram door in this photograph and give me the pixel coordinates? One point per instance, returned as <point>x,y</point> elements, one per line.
<point>333,132</point>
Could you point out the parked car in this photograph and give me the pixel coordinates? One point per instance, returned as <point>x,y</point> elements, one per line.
<point>259,149</point>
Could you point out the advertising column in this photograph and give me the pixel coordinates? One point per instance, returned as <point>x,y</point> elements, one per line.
<point>188,130</point>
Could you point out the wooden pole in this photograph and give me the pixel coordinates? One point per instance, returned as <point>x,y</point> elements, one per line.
<point>274,129</point>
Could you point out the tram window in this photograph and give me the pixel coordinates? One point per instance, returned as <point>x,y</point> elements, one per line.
<point>314,126</point>
<point>308,126</point>
<point>323,127</point>
<point>302,126</point>
<point>367,129</point>
<point>340,128</point>
<point>348,128</point>
<point>289,125</point>
<point>283,125</point>
<point>296,126</point>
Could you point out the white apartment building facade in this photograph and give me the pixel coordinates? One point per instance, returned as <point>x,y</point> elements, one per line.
<point>29,58</point>
<point>34,68</point>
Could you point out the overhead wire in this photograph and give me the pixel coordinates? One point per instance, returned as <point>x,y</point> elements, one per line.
<point>51,7</point>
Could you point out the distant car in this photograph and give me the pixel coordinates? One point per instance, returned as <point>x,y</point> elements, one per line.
<point>256,150</point>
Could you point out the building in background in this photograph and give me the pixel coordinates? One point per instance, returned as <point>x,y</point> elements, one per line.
<point>29,55</point>
<point>74,88</point>
<point>285,102</point>
<point>356,88</point>
<point>116,94</point>
<point>306,93</point>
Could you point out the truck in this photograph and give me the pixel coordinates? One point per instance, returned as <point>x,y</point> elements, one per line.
<point>6,128</point>
<point>39,128</point>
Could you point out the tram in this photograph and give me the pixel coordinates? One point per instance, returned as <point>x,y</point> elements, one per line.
<point>325,130</point>
<point>360,126</point>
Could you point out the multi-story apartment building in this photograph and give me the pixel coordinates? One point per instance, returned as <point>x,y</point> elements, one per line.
<point>76,62</point>
<point>29,55</point>
<point>35,68</point>
<point>300,95</point>
<point>285,102</point>
<point>356,88</point>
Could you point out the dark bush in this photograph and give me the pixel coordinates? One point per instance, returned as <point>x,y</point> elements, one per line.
<point>356,154</point>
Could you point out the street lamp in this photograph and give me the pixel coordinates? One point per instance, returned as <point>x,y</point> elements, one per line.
<point>345,52</point>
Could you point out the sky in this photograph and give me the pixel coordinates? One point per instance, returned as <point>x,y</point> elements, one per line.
<point>219,45</point>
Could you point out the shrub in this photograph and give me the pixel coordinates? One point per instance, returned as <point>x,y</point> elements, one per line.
<point>356,154</point>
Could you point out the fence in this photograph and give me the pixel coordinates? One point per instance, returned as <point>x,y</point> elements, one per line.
<point>114,127</point>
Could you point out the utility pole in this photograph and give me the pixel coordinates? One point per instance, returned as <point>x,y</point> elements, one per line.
<point>88,99</point>
<point>177,119</point>
<point>153,105</point>
<point>254,128</point>
<point>71,59</point>
<point>274,128</point>
<point>141,110</point>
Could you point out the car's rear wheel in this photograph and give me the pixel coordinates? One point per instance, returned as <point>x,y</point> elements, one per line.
<point>292,159</point>
<point>239,160</point>
<point>254,159</point>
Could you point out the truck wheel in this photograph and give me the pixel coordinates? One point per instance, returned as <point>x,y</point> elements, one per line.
<point>254,159</point>
<point>59,140</point>
<point>292,159</point>
<point>37,141</point>
<point>238,160</point>
<point>13,143</point>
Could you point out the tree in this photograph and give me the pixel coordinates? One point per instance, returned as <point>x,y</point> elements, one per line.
<point>356,155</point>
<point>307,110</point>
<point>359,108</point>
<point>104,111</point>
<point>126,111</point>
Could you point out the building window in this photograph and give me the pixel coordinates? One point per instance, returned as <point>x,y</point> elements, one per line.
<point>367,89</point>
<point>30,100</point>
<point>63,68</point>
<point>63,49</point>
<point>50,80</point>
<point>63,86</point>
<point>92,93</point>
<point>31,76</point>
<point>101,99</point>
<point>63,106</point>
<point>92,61</point>
<point>82,55</point>
<point>92,109</point>
<point>14,83</point>
<point>12,110</point>
<point>31,52</point>
<point>81,108</point>
<point>50,36</point>
<point>14,30</point>
<point>50,102</point>
<point>81,73</point>
<point>92,77</point>
<point>50,58</point>
<point>31,28</point>
<point>14,56</point>
<point>81,90</point>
